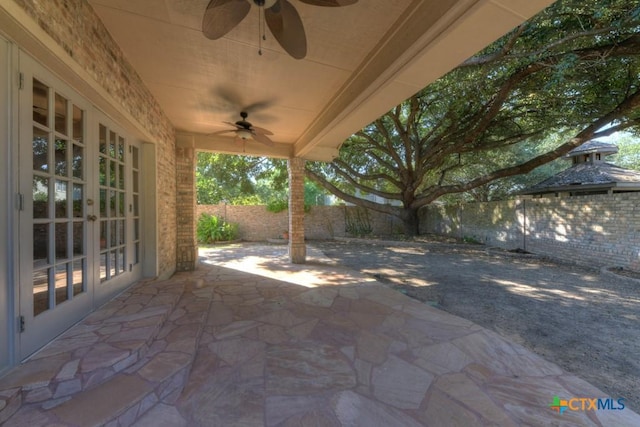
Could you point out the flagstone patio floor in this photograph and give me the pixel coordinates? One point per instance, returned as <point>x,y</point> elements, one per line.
<point>250,340</point>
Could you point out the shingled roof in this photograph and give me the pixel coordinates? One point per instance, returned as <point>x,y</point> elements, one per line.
<point>589,177</point>
<point>589,173</point>
<point>594,146</point>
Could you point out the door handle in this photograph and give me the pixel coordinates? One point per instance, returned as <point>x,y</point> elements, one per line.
<point>92,217</point>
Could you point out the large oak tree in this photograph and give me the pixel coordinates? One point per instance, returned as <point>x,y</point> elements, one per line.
<point>573,70</point>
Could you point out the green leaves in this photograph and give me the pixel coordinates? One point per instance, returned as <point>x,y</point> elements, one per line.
<point>525,100</point>
<point>211,229</point>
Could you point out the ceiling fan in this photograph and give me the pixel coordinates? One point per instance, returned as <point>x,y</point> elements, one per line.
<point>244,131</point>
<point>283,20</point>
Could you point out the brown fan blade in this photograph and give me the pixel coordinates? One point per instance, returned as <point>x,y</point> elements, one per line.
<point>221,16</point>
<point>262,131</point>
<point>330,3</point>
<point>234,125</point>
<point>286,26</point>
<point>220,132</point>
<point>263,139</point>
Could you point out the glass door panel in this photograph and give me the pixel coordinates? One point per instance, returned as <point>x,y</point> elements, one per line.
<point>112,163</point>
<point>53,224</point>
<point>58,189</point>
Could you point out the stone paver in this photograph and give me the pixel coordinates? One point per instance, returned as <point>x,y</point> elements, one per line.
<point>253,340</point>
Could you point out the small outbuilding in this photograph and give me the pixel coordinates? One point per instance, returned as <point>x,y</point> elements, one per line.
<point>588,174</point>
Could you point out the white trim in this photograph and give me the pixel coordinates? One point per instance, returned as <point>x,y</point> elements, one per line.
<point>7,334</point>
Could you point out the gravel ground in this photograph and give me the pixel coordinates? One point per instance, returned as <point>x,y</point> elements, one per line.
<point>585,321</point>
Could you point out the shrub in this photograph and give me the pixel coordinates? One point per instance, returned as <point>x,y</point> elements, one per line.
<point>213,229</point>
<point>277,205</point>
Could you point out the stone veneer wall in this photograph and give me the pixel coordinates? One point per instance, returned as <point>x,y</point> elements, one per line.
<point>321,222</point>
<point>600,230</point>
<point>77,29</point>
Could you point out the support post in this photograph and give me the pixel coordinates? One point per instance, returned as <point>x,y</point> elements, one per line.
<point>297,247</point>
<point>186,245</point>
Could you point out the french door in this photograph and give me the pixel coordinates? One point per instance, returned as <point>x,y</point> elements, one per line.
<point>76,188</point>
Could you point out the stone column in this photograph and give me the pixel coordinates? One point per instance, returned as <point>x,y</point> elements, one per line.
<point>186,244</point>
<point>297,247</point>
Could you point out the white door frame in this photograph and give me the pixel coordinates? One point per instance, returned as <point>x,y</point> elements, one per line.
<point>7,294</point>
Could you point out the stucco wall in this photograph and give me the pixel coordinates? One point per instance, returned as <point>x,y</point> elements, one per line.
<point>601,230</point>
<point>78,30</point>
<point>321,222</point>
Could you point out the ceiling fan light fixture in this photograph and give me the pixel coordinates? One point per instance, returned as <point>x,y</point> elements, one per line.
<point>243,134</point>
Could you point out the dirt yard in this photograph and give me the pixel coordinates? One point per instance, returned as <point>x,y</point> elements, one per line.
<point>585,321</point>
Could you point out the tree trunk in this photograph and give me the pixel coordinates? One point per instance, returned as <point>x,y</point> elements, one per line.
<point>411,222</point>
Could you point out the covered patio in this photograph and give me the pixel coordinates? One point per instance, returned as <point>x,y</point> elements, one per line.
<point>250,339</point>
<point>105,105</point>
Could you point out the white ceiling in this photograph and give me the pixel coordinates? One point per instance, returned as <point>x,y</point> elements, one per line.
<point>362,60</point>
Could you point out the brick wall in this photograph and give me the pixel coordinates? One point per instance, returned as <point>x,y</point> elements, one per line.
<point>601,230</point>
<point>78,30</point>
<point>321,222</point>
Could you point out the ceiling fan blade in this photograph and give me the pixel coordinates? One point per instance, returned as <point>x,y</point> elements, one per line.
<point>262,131</point>
<point>330,3</point>
<point>263,139</point>
<point>220,132</point>
<point>221,16</point>
<point>235,125</point>
<point>286,26</point>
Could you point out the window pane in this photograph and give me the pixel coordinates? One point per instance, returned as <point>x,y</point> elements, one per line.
<point>40,197</point>
<point>136,255</point>
<point>40,291</point>
<point>112,144</point>
<point>113,233</point>
<point>103,234</point>
<point>40,103</point>
<point>78,277</point>
<point>135,182</point>
<point>103,139</point>
<point>136,229</point>
<point>121,206</point>
<point>61,114</point>
<point>78,202</point>
<point>134,155</point>
<point>78,239</point>
<point>121,230</point>
<point>77,162</point>
<point>112,173</point>
<point>61,199</point>
<point>103,203</point>
<point>103,266</point>
<point>135,205</point>
<point>61,283</point>
<point>61,236</point>
<point>40,244</point>
<point>112,263</point>
<point>40,150</point>
<point>78,124</point>
<point>112,203</point>
<point>121,177</point>
<point>120,148</point>
<point>121,261</point>
<point>60,158</point>
<point>102,164</point>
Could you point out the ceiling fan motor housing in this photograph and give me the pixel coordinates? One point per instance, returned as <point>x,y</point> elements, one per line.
<point>264,3</point>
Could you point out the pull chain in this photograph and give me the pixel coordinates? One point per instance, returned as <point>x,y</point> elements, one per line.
<point>260,29</point>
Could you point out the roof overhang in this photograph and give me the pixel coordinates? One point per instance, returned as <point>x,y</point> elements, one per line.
<point>362,60</point>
